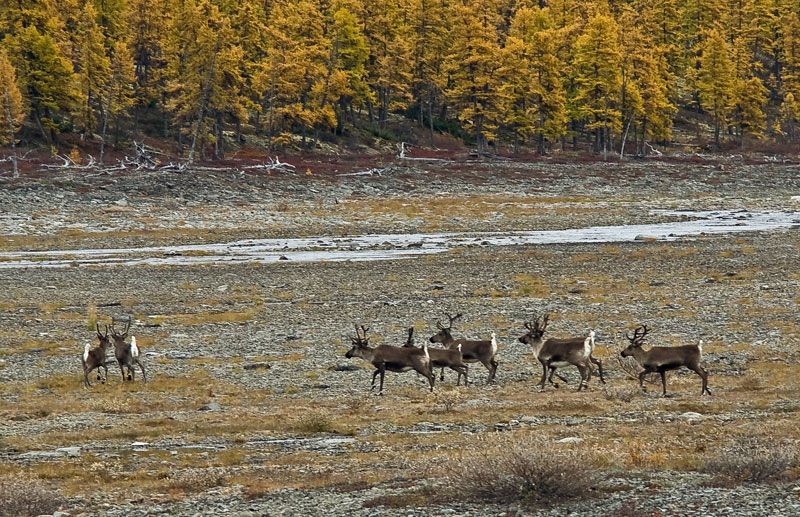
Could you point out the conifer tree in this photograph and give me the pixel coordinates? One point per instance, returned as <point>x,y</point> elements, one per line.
<point>11,107</point>
<point>294,66</point>
<point>472,67</point>
<point>716,81</point>
<point>46,79</point>
<point>93,68</point>
<point>598,80</point>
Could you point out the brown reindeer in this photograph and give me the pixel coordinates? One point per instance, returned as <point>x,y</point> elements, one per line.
<point>553,352</point>
<point>443,358</point>
<point>127,354</point>
<point>663,358</point>
<point>95,358</point>
<point>391,358</point>
<point>483,351</point>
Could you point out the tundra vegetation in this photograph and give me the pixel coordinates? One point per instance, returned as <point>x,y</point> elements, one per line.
<point>251,405</point>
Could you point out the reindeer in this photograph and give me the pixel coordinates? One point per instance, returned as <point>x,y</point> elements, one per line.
<point>559,352</point>
<point>663,358</point>
<point>483,351</point>
<point>443,358</point>
<point>532,330</point>
<point>391,358</point>
<point>127,354</point>
<point>95,358</point>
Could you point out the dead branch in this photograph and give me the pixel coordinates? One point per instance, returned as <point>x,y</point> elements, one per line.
<point>274,165</point>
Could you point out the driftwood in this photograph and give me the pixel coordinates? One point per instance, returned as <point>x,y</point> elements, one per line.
<point>274,165</point>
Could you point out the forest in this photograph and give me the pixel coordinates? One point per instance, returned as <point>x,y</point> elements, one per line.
<point>609,75</point>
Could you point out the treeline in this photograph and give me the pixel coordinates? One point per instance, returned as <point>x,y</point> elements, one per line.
<point>540,73</point>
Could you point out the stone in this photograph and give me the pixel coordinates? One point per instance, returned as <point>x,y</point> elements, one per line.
<point>211,406</point>
<point>71,452</point>
<point>570,439</point>
<point>257,366</point>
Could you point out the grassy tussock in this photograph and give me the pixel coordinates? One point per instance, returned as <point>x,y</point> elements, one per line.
<point>22,496</point>
<point>525,470</point>
<point>754,460</point>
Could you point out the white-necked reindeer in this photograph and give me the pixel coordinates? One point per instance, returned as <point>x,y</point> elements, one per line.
<point>473,351</point>
<point>391,358</point>
<point>553,352</point>
<point>443,358</point>
<point>127,354</point>
<point>663,358</point>
<point>95,358</point>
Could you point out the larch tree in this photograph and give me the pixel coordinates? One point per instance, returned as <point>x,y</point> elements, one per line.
<point>147,23</point>
<point>46,78</point>
<point>345,86</point>
<point>597,76</point>
<point>430,41</point>
<point>716,81</point>
<point>789,118</point>
<point>12,112</point>
<point>472,67</point>
<point>389,32</point>
<point>93,69</point>
<point>294,66</point>
<point>532,79</point>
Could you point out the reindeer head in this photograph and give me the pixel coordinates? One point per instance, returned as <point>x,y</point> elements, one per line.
<point>103,337</point>
<point>444,335</point>
<point>360,343</point>
<point>536,329</point>
<point>119,337</point>
<point>636,341</point>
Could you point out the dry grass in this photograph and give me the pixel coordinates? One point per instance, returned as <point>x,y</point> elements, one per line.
<point>22,496</point>
<point>523,469</point>
<point>754,460</point>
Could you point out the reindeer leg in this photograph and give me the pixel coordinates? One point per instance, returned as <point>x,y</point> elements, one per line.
<point>642,375</point>
<point>703,376</point>
<point>105,372</point>
<point>144,374</point>
<point>86,376</point>
<point>586,372</point>
<point>441,374</point>
<point>374,375</point>
<point>493,371</point>
<point>383,373</point>
<point>490,369</point>
<point>544,375</point>
<point>663,374</point>
<point>122,371</point>
<point>599,364</point>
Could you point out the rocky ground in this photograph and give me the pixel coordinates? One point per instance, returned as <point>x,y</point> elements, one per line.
<point>251,408</point>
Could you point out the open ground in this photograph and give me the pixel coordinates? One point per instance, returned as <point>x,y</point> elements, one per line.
<point>251,407</point>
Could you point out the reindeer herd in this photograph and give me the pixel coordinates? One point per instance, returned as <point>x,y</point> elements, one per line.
<point>126,354</point>
<point>551,353</point>
<point>457,354</point>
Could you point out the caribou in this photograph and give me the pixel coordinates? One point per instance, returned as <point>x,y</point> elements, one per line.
<point>663,358</point>
<point>391,358</point>
<point>553,352</point>
<point>127,354</point>
<point>482,351</point>
<point>95,358</point>
<point>443,358</point>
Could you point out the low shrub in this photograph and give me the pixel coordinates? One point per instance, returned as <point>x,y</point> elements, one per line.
<point>527,470</point>
<point>753,460</point>
<point>23,496</point>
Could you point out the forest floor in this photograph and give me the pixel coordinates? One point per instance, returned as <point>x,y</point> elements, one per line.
<point>251,408</point>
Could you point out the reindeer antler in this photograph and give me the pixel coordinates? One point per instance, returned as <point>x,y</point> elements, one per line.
<point>410,340</point>
<point>452,319</point>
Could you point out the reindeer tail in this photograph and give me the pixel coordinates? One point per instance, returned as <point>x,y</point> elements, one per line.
<point>86,352</point>
<point>134,348</point>
<point>700,347</point>
<point>494,343</point>
<point>425,347</point>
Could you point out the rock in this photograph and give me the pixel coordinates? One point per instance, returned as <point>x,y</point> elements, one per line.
<point>40,455</point>
<point>570,439</point>
<point>71,452</point>
<point>257,366</point>
<point>645,238</point>
<point>211,406</point>
<point>345,367</point>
